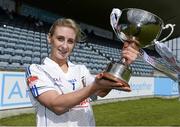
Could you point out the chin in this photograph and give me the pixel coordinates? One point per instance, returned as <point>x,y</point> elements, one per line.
<point>62,57</point>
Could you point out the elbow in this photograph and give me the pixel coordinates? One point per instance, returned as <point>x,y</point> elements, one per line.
<point>59,110</point>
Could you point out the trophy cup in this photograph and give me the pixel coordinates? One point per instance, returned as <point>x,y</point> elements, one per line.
<point>141,27</point>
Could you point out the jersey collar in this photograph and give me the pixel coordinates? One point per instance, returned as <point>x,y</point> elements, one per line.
<point>48,61</point>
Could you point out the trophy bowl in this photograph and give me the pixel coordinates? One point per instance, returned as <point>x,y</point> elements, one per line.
<point>132,25</point>
<point>138,25</point>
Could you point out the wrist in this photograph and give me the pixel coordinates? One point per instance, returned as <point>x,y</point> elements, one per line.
<point>95,86</point>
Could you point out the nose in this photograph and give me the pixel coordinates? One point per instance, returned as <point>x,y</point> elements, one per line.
<point>65,44</point>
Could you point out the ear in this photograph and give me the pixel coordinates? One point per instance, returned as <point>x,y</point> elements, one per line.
<point>49,38</point>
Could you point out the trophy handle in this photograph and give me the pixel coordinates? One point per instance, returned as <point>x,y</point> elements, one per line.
<point>114,18</point>
<point>172,29</point>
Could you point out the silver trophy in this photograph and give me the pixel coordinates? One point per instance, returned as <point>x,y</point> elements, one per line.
<point>143,28</point>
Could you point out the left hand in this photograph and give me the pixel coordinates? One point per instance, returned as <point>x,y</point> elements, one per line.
<point>119,85</point>
<point>130,52</point>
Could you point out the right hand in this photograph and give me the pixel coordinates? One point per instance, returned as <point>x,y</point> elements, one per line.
<point>130,51</point>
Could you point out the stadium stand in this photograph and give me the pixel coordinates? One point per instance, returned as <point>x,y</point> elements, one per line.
<point>22,42</point>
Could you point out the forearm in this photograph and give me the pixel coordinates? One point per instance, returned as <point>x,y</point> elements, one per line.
<point>62,103</point>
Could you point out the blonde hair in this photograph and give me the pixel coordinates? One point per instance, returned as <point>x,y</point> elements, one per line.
<point>67,23</point>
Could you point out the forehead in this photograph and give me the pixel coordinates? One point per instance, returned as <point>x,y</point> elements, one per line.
<point>65,31</point>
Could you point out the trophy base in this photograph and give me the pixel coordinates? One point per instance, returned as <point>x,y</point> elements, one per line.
<point>118,72</point>
<point>111,77</point>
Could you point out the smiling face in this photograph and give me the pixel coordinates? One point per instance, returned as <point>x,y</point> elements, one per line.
<point>62,43</point>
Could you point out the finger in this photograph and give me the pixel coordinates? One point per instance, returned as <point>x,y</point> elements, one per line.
<point>130,50</point>
<point>129,58</point>
<point>127,89</point>
<point>99,76</point>
<point>110,84</point>
<point>131,46</point>
<point>101,80</point>
<point>126,44</point>
<point>119,84</point>
<point>134,43</point>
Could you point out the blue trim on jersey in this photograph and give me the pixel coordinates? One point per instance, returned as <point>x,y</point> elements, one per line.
<point>33,88</point>
<point>34,91</point>
<point>37,93</point>
<point>28,72</point>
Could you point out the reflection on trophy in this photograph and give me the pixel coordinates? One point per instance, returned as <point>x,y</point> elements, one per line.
<point>144,29</point>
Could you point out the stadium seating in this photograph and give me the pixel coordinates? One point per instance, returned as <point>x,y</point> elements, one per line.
<point>22,45</point>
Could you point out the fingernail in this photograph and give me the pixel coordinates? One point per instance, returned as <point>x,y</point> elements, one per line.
<point>100,75</point>
<point>125,44</point>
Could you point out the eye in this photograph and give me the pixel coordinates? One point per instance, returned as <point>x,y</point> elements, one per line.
<point>61,38</point>
<point>71,41</point>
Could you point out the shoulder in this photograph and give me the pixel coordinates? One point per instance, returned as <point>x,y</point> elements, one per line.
<point>34,69</point>
<point>79,68</point>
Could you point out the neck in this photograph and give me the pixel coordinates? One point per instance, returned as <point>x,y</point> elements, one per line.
<point>64,67</point>
<point>62,64</point>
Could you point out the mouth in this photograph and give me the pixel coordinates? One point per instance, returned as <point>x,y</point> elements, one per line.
<point>63,52</point>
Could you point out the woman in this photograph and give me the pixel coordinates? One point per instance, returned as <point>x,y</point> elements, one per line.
<point>59,89</point>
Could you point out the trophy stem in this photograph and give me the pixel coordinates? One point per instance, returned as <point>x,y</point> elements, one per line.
<point>118,72</point>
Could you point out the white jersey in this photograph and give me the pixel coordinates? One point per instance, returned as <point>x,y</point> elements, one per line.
<point>49,76</point>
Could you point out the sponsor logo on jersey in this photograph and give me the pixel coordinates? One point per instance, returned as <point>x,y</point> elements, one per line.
<point>83,104</point>
<point>73,83</point>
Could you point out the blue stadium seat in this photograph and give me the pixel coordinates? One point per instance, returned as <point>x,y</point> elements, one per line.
<point>16,59</point>
<point>36,60</point>
<point>3,64</point>
<point>36,54</point>
<point>43,55</point>
<point>26,60</point>
<point>28,53</point>
<point>19,52</point>
<point>1,50</point>
<point>3,43</point>
<point>5,57</point>
<point>9,51</point>
<point>15,66</point>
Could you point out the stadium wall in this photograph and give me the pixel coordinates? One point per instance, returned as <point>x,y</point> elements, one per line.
<point>141,86</point>
<point>165,87</point>
<point>13,90</point>
<point>14,93</point>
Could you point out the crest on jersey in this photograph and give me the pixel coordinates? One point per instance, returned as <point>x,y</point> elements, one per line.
<point>32,80</point>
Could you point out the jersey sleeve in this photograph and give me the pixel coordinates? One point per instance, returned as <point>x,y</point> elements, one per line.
<point>37,81</point>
